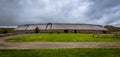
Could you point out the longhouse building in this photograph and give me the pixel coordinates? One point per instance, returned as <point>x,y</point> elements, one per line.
<point>60,28</point>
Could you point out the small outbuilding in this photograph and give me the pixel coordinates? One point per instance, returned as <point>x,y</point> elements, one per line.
<point>60,28</point>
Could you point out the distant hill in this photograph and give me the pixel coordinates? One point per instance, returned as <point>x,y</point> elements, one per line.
<point>112,28</point>
<point>8,30</point>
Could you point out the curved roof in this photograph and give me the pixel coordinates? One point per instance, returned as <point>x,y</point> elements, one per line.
<point>60,26</point>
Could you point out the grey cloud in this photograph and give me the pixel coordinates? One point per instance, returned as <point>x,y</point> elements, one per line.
<point>105,8</point>
<point>18,12</point>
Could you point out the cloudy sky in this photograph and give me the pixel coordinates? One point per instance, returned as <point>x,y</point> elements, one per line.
<point>18,12</point>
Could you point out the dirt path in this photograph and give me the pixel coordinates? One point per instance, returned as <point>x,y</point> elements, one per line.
<point>38,45</point>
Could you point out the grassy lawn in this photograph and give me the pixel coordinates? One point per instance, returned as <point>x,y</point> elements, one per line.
<point>70,37</point>
<point>75,52</point>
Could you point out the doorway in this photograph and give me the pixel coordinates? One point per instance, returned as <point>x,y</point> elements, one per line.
<point>65,31</point>
<point>75,31</point>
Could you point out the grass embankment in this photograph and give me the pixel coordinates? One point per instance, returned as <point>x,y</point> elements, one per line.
<point>76,52</point>
<point>70,37</point>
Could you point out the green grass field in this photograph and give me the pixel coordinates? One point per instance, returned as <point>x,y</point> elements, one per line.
<point>75,52</point>
<point>70,37</point>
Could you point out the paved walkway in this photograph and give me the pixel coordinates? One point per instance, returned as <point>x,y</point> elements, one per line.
<point>47,45</point>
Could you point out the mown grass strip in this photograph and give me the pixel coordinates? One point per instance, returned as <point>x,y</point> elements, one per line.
<point>70,37</point>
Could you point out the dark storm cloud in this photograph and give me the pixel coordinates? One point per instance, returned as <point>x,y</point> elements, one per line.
<point>17,12</point>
